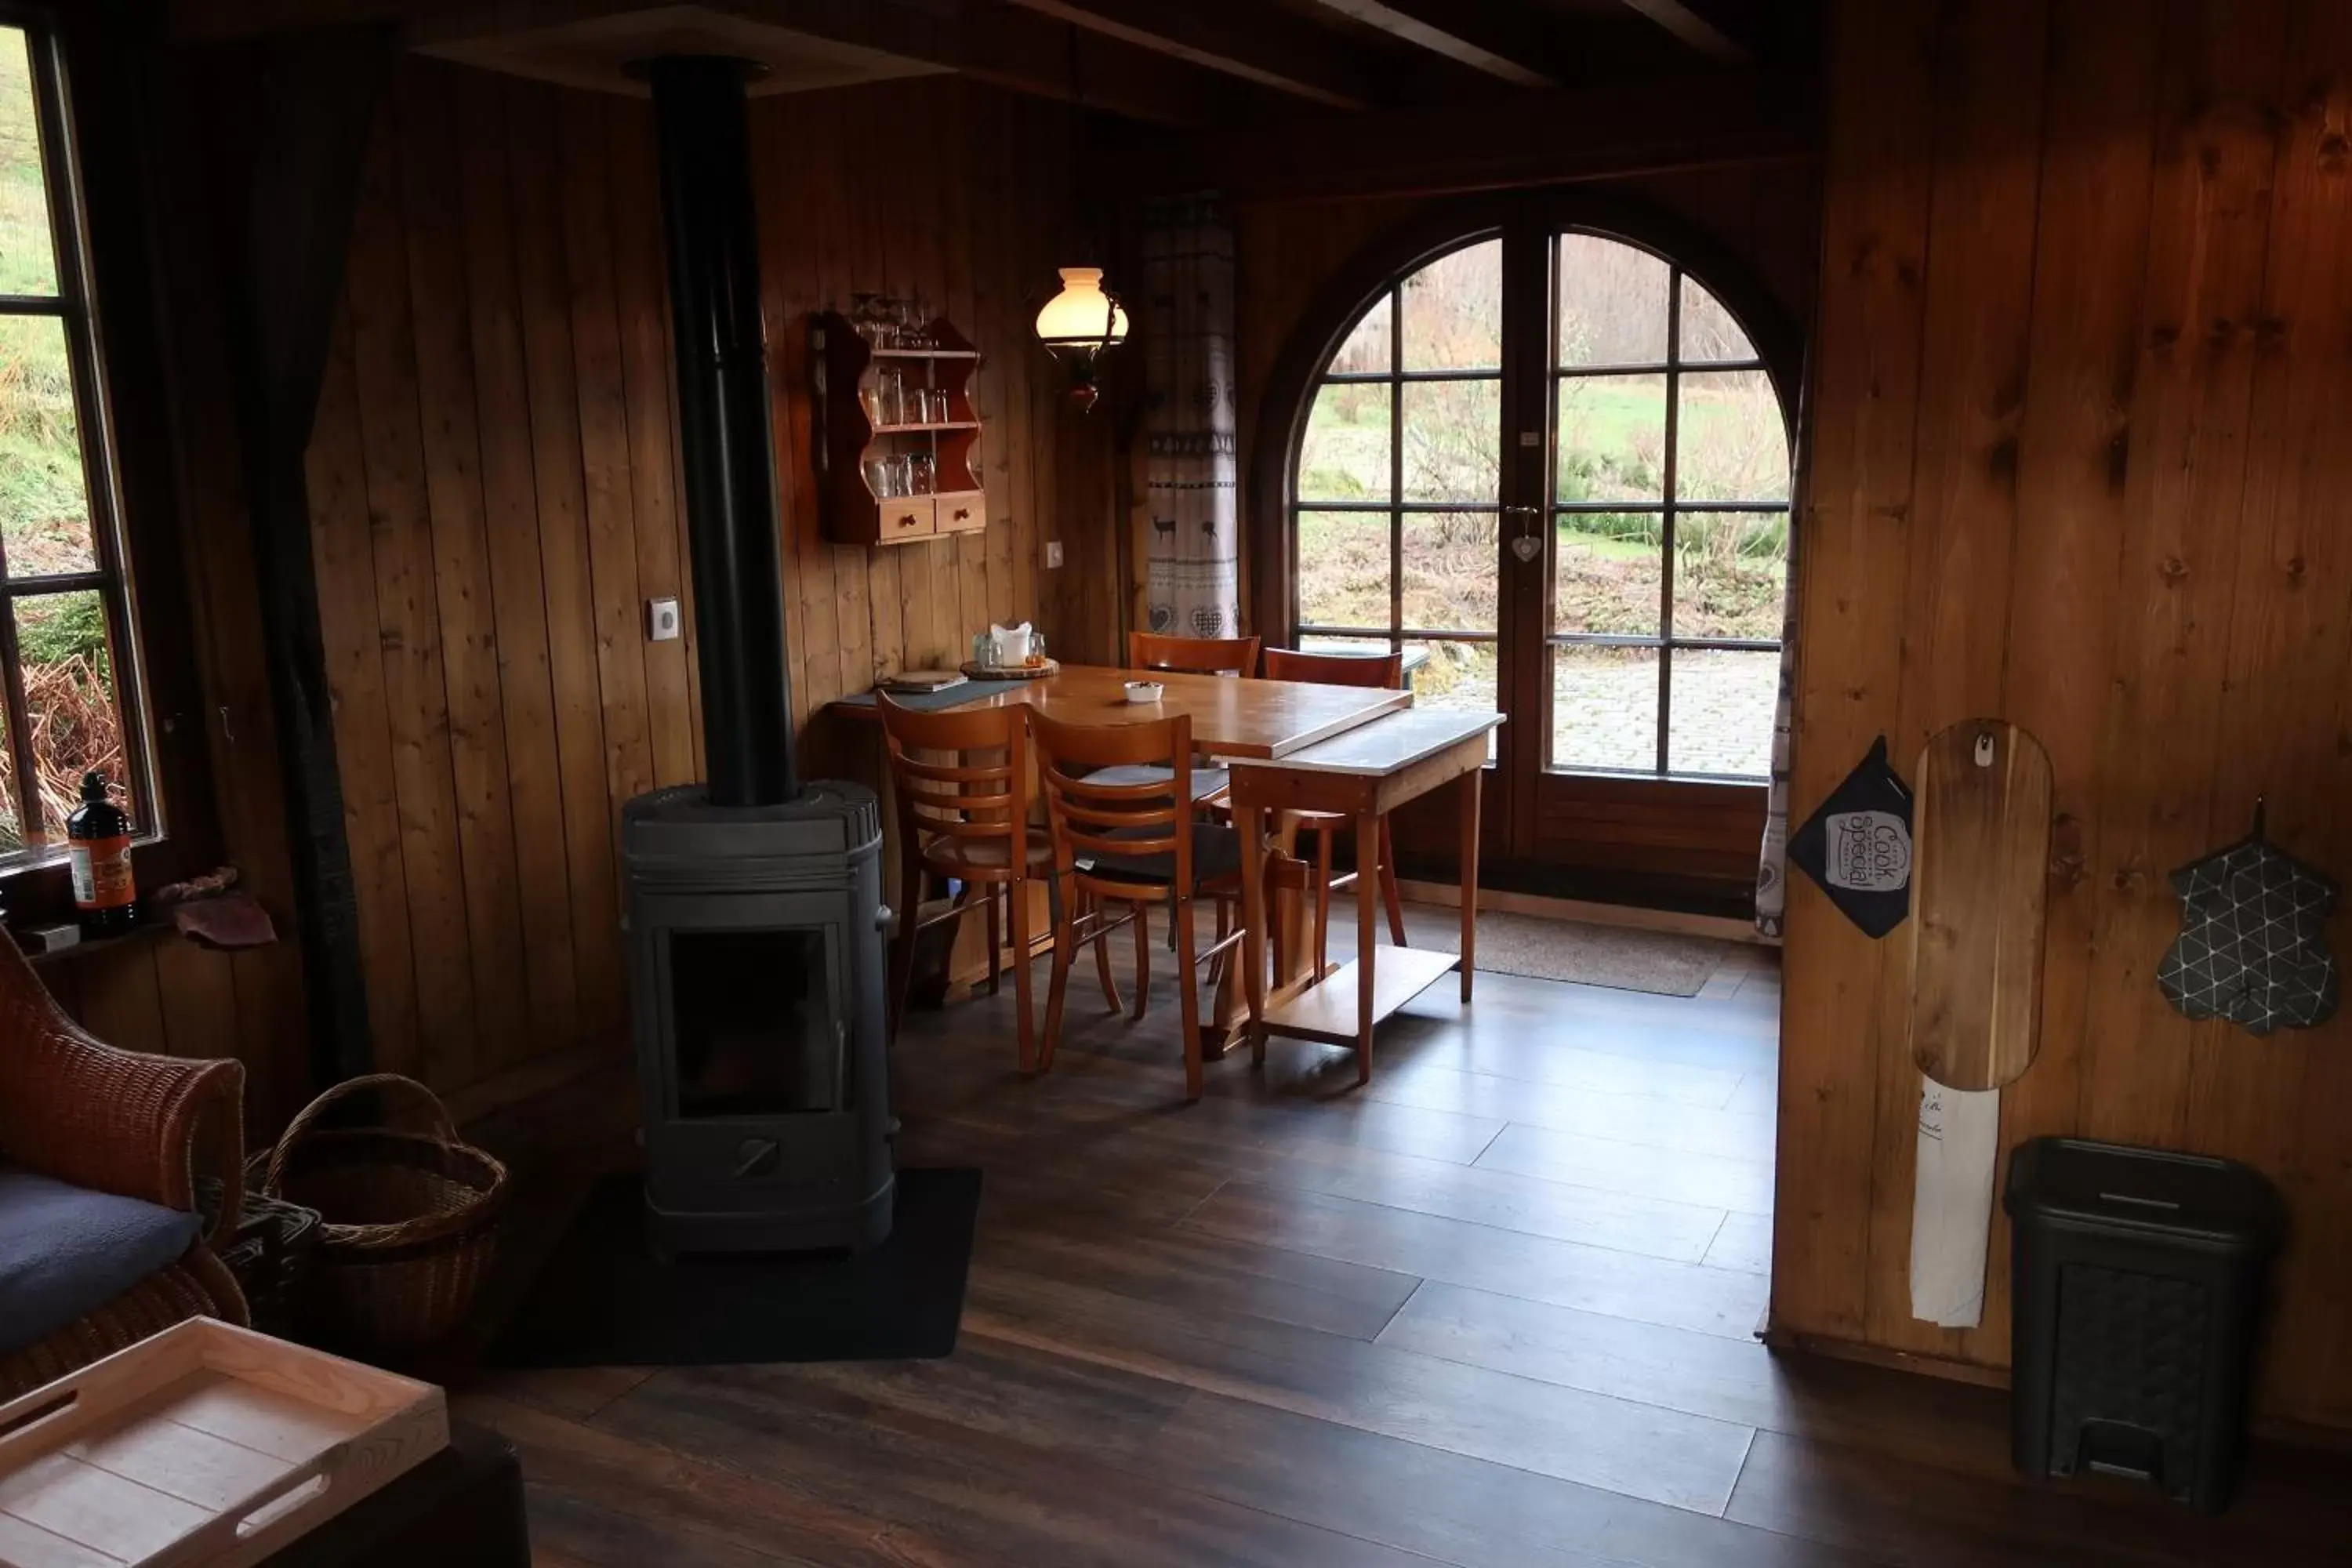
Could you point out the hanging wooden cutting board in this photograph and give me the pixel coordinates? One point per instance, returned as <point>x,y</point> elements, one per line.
<point>1980,853</point>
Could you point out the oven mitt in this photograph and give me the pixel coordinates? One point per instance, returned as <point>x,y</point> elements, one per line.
<point>2252,944</point>
<point>1857,845</point>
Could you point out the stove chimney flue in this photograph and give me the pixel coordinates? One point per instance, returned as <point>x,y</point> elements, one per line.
<point>700,112</point>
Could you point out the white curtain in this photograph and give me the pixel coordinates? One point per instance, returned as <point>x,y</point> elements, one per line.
<point>1191,470</point>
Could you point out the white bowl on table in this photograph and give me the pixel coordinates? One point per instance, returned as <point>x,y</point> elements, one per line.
<point>1145,691</point>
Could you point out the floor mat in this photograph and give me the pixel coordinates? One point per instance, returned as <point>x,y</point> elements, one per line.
<point>1664,963</point>
<point>605,1300</point>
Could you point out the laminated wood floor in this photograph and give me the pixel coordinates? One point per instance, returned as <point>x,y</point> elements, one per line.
<point>1496,1310</point>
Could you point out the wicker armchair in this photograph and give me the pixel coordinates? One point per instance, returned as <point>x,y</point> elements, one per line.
<point>83,1113</point>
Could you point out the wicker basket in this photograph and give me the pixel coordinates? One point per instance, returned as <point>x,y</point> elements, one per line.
<point>411,1219</point>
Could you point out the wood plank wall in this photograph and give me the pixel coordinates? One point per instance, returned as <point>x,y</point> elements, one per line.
<point>495,492</point>
<point>2077,460</point>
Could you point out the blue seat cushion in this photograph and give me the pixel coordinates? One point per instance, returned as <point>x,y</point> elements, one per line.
<point>1206,782</point>
<point>66,1251</point>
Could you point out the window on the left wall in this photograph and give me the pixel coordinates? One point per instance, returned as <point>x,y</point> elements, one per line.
<point>68,652</point>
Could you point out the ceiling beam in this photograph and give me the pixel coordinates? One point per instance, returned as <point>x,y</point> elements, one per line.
<point>1007,45</point>
<point>1467,32</point>
<point>1688,22</point>
<point>1720,120</point>
<point>1246,39</point>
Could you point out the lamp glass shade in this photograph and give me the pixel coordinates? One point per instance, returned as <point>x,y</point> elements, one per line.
<point>1081,316</point>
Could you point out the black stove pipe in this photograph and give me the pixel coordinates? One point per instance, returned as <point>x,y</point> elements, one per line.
<point>700,112</point>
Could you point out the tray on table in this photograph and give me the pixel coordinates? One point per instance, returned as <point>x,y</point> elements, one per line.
<point>204,1445</point>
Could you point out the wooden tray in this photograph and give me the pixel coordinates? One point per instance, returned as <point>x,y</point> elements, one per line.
<point>979,671</point>
<point>204,1445</point>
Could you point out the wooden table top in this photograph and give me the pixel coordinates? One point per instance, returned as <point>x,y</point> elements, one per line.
<point>1231,718</point>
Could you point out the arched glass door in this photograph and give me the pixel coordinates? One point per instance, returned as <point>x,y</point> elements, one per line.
<point>1552,466</point>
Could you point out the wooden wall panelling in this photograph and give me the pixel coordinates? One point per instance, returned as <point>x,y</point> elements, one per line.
<point>997,317</point>
<point>1011,395</point>
<point>1854,513</point>
<point>464,606</point>
<point>344,558</point>
<point>384,353</point>
<point>2290,640</point>
<point>544,289</point>
<point>952,108</point>
<point>2216,156</point>
<point>2074,451</point>
<point>510,512</point>
<point>865,199</point>
<point>1975,314</point>
<point>605,466</point>
<point>641,293</point>
<point>2322,1198</point>
<point>272,1036</point>
<point>2169,583</point>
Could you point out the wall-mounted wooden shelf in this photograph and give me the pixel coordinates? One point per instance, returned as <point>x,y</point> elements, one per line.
<point>847,440</point>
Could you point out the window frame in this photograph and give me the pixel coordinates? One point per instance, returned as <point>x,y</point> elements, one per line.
<point>1541,214</point>
<point>1668,508</point>
<point>75,306</point>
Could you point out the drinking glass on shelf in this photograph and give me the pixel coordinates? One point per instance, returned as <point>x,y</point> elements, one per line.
<point>922,473</point>
<point>864,319</point>
<point>891,381</point>
<point>882,477</point>
<point>869,396</point>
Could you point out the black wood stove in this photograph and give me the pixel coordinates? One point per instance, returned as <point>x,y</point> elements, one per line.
<point>755,905</point>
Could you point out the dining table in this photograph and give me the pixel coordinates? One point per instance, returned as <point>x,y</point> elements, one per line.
<point>1293,747</point>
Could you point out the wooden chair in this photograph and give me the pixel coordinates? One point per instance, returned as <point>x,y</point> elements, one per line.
<point>967,819</point>
<point>119,1125</point>
<point>1385,671</point>
<point>1136,844</point>
<point>1193,656</point>
<point>1189,655</point>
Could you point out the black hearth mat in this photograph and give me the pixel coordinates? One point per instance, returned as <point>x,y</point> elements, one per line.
<point>604,1299</point>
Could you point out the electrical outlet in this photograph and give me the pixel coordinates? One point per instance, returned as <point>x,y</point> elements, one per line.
<point>662,622</point>
<point>1053,554</point>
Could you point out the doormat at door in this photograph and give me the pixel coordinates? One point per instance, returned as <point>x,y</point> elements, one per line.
<point>1664,963</point>
<point>605,1299</point>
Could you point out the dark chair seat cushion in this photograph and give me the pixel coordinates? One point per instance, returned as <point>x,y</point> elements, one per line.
<point>1216,853</point>
<point>1207,783</point>
<point>66,1251</point>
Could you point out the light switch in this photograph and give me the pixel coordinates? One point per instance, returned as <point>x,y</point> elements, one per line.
<point>1053,554</point>
<point>662,623</point>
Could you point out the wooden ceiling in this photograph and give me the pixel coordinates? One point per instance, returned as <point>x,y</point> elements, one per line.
<point>1227,64</point>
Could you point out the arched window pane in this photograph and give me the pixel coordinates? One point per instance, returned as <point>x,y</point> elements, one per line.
<point>1345,453</point>
<point>1710,334</point>
<point>1452,441</point>
<point>1731,443</point>
<point>1611,438</point>
<point>1609,571</point>
<point>1365,350</point>
<point>1343,568</point>
<point>1449,571</point>
<point>1611,308</point>
<point>1454,310</point>
<point>1731,574</point>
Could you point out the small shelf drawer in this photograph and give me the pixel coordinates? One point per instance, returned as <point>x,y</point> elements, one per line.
<point>962,511</point>
<point>907,517</point>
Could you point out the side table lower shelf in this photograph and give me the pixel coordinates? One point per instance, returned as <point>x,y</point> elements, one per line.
<point>1326,1010</point>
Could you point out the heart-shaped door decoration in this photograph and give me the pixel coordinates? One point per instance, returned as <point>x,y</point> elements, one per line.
<point>1527,547</point>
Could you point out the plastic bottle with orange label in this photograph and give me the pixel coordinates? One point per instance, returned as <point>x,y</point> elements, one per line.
<point>98,838</point>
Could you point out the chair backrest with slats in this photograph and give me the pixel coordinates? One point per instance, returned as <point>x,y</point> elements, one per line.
<point>1089,819</point>
<point>1385,670</point>
<point>962,773</point>
<point>1193,656</point>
